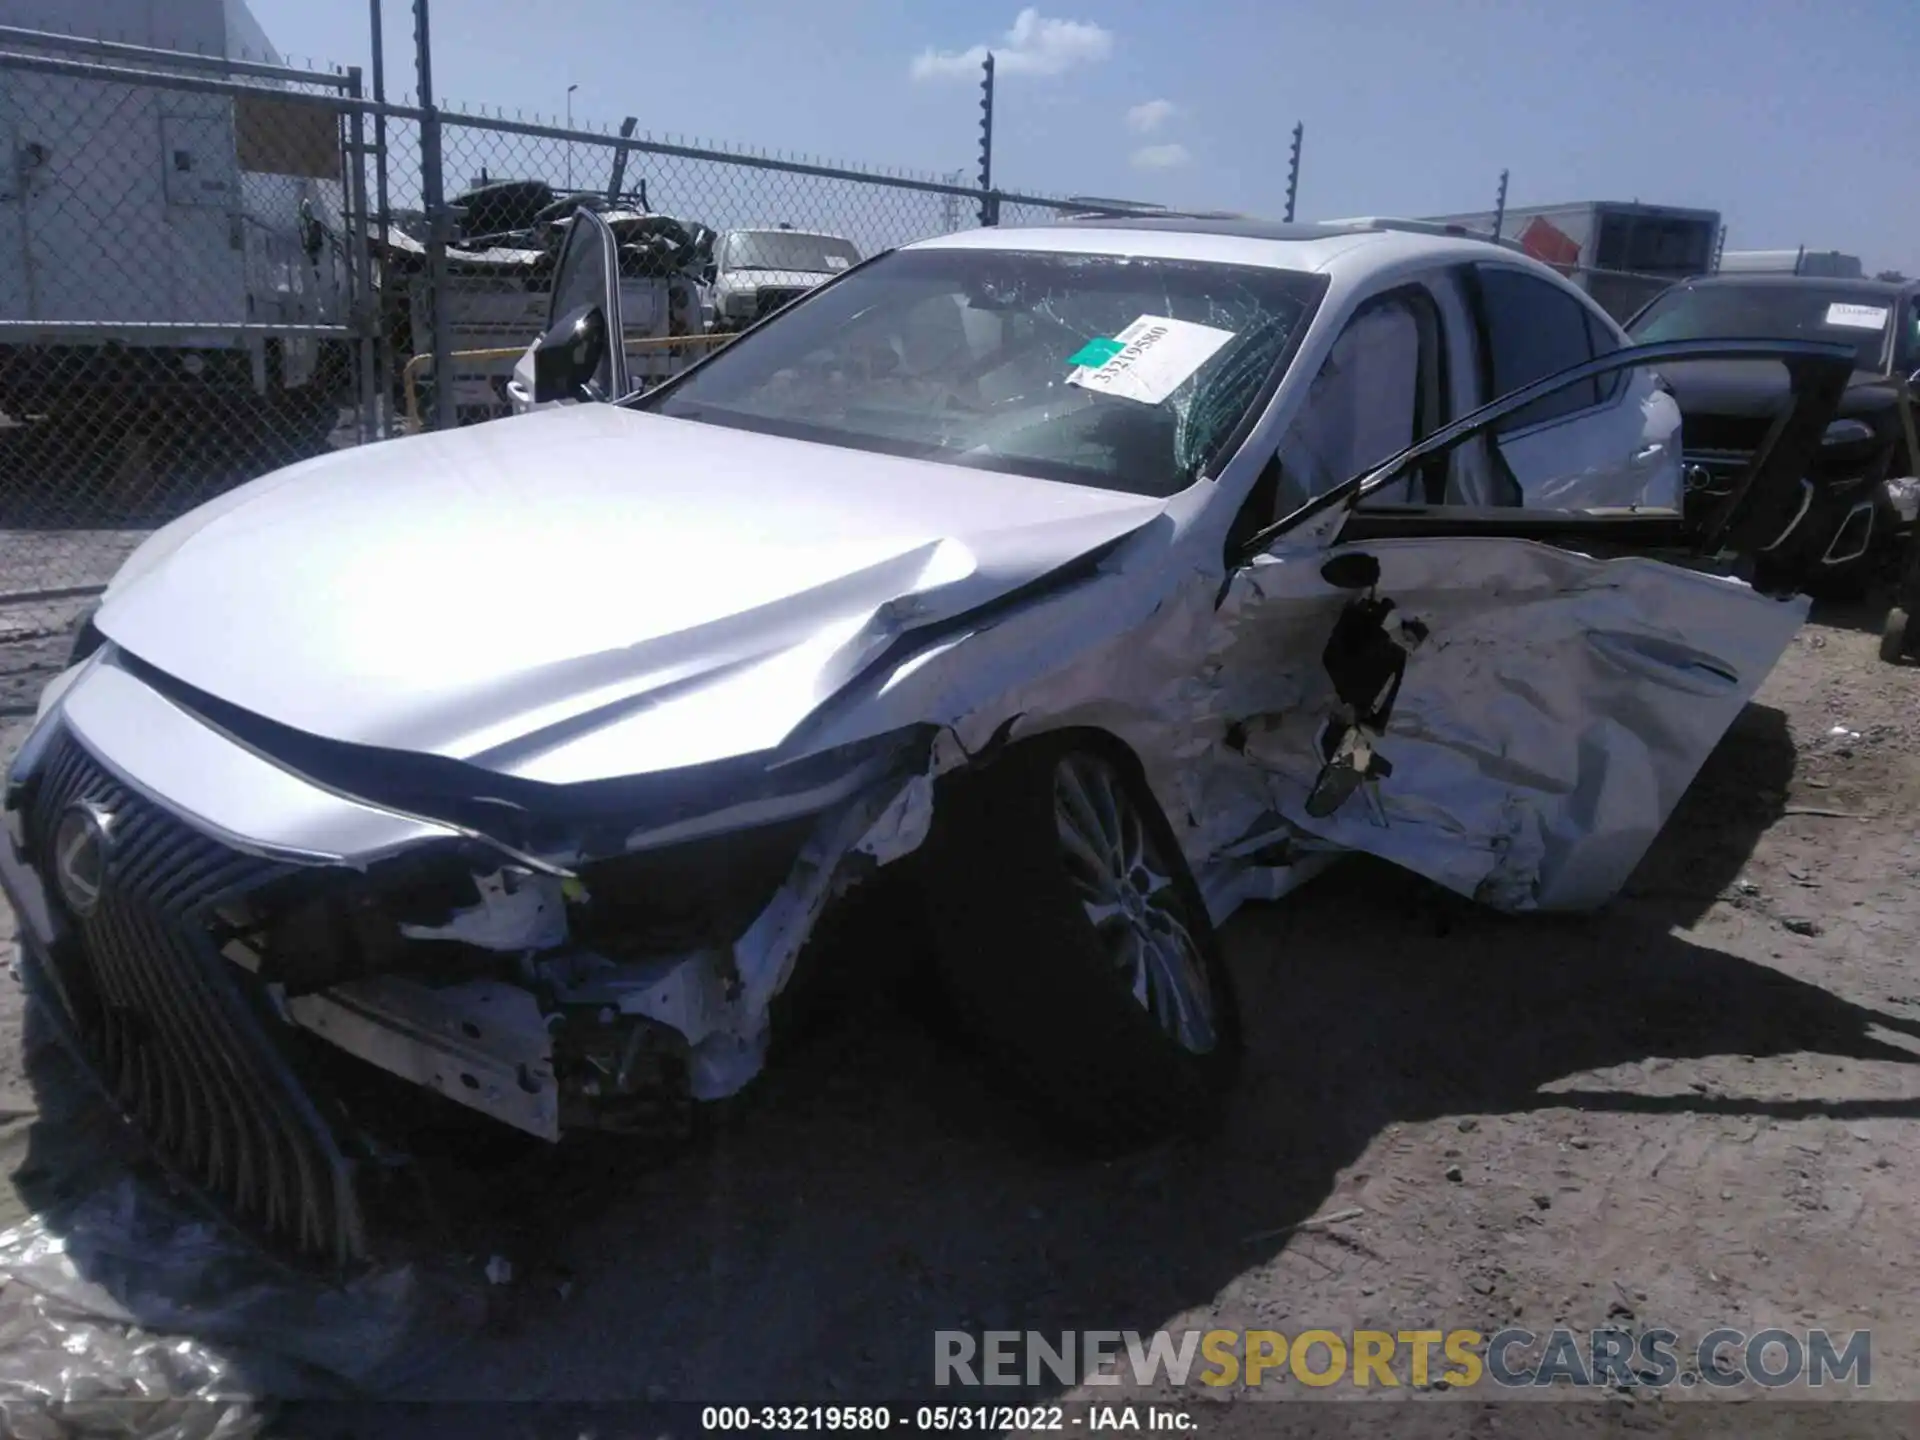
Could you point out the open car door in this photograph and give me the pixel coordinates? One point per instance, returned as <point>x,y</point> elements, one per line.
<point>581,354</point>
<point>1511,701</point>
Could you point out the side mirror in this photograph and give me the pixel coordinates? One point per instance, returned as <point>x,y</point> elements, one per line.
<point>568,359</point>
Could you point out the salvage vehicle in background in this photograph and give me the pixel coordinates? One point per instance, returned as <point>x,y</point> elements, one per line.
<point>500,272</point>
<point>212,310</point>
<point>1869,457</point>
<point>1622,254</point>
<point>756,272</point>
<point>1090,580</point>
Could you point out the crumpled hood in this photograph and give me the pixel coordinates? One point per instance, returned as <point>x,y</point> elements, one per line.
<point>583,592</point>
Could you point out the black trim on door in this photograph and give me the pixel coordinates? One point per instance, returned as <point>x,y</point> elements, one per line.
<point>1628,530</point>
<point>1762,518</point>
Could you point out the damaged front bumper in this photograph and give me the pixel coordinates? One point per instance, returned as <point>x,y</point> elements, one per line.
<point>203,916</point>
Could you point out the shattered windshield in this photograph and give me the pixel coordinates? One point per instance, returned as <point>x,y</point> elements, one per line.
<point>1125,373</point>
<point>788,250</point>
<point>1850,315</point>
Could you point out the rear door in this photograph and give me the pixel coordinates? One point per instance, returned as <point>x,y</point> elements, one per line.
<point>1510,700</point>
<point>1611,440</point>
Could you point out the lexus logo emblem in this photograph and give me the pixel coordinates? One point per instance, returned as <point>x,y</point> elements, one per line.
<point>80,843</point>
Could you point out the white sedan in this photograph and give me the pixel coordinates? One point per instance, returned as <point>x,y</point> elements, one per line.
<point>1100,577</point>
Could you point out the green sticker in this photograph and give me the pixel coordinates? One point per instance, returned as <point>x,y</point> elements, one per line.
<point>1096,353</point>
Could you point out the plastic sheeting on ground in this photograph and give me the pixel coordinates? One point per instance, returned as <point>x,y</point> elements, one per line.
<point>126,1311</point>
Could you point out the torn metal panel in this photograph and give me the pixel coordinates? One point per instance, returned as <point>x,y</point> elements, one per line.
<point>1548,728</point>
<point>481,1043</point>
<point>763,957</point>
<point>517,910</point>
<point>687,993</point>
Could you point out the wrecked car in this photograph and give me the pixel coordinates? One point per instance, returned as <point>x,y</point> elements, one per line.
<point>1100,578</point>
<point>500,271</point>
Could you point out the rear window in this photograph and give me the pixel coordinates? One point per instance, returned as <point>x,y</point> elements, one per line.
<point>1652,245</point>
<point>1785,311</point>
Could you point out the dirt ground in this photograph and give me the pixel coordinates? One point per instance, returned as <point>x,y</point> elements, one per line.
<point>1700,1107</point>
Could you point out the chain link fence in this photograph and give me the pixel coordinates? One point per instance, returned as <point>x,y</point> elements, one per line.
<point>212,268</point>
<point>177,297</point>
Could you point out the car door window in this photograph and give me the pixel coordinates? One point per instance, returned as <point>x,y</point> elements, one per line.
<point>1374,395</point>
<point>1534,329</point>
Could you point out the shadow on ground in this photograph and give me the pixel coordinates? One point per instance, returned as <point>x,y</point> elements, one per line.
<point>1738,794</point>
<point>1865,614</point>
<point>876,1192</point>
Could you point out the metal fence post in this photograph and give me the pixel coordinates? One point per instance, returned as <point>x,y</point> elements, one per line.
<point>433,194</point>
<point>1293,169</point>
<point>363,311</point>
<point>383,216</point>
<point>989,202</point>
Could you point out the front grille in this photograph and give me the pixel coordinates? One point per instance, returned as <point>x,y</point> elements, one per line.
<point>769,299</point>
<point>177,1033</point>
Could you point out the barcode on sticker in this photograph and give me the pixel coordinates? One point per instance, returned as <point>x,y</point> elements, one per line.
<point>1147,361</point>
<point>1857,317</point>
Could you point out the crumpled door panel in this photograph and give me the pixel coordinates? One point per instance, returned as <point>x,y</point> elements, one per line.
<point>1546,723</point>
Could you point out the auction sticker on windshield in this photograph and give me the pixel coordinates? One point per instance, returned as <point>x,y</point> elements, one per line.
<point>1147,361</point>
<point>1857,317</point>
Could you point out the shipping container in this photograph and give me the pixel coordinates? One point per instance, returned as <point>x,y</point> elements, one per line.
<point>1622,254</point>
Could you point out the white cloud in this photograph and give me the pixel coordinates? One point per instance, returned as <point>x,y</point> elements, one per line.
<point>1036,45</point>
<point>1161,157</point>
<point>1150,115</point>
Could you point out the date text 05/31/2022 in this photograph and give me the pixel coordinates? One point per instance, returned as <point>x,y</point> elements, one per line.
<point>936,1418</point>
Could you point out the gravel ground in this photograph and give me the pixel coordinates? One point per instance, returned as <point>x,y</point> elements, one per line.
<point>1700,1107</point>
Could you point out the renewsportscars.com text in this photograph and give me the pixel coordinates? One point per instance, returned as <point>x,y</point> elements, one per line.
<point>1451,1359</point>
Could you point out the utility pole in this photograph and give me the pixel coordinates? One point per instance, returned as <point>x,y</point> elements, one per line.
<point>1293,169</point>
<point>1500,208</point>
<point>989,203</point>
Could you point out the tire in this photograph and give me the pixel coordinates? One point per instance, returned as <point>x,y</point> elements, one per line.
<point>1893,636</point>
<point>1082,1025</point>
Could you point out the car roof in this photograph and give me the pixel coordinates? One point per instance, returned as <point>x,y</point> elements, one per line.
<point>1858,285</point>
<point>1236,240</point>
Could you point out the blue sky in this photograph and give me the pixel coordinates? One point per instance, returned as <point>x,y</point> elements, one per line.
<point>1800,122</point>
